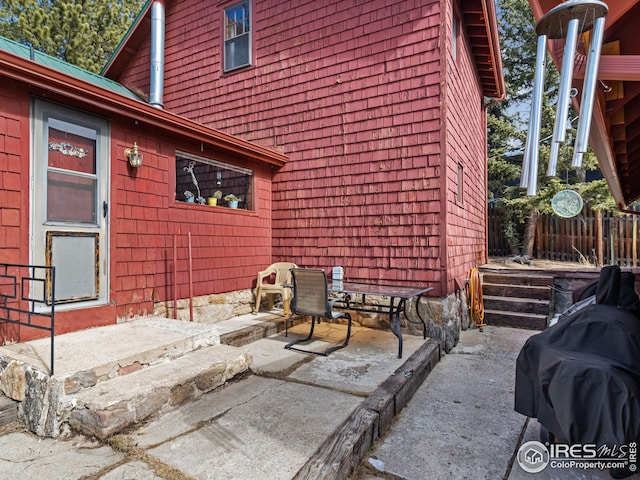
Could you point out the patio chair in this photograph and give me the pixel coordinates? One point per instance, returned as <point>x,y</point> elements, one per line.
<point>272,281</point>
<point>311,298</point>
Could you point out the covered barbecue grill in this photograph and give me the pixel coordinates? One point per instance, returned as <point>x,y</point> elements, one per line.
<point>581,377</point>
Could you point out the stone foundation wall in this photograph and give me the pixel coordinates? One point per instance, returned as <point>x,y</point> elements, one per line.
<point>38,395</point>
<point>209,309</point>
<point>445,317</point>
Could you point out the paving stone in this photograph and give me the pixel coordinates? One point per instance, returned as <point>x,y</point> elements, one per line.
<point>270,435</point>
<point>111,406</point>
<point>27,457</point>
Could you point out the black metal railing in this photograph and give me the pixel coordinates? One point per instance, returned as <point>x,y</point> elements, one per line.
<point>27,297</point>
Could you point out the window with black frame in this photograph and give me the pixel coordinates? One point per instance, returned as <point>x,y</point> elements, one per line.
<point>210,182</point>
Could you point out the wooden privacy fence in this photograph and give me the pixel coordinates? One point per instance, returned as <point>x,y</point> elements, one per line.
<point>601,238</point>
<point>498,245</point>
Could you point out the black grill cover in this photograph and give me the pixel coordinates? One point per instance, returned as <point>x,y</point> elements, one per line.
<point>581,377</point>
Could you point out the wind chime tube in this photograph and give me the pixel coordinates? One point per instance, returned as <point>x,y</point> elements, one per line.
<point>553,159</point>
<point>526,159</point>
<point>533,139</point>
<point>529,161</point>
<point>566,77</point>
<point>588,92</point>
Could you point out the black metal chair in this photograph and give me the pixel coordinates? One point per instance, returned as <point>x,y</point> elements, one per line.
<point>311,298</point>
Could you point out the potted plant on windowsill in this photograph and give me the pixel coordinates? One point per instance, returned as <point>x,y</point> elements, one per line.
<point>188,196</point>
<point>217,195</point>
<point>231,200</point>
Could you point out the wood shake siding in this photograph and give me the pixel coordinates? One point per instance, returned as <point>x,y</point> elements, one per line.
<point>14,184</point>
<point>375,115</point>
<point>465,145</point>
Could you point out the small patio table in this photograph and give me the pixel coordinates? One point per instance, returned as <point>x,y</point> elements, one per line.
<point>355,298</point>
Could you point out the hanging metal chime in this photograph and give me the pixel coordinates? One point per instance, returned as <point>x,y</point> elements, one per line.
<point>568,20</point>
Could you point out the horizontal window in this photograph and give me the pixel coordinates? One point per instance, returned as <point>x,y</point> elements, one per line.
<point>210,182</point>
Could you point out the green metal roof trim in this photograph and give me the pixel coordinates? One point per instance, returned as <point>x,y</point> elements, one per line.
<point>61,66</point>
<point>126,36</point>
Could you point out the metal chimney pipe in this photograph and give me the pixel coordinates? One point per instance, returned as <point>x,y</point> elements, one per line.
<point>588,93</point>
<point>156,83</point>
<point>562,110</point>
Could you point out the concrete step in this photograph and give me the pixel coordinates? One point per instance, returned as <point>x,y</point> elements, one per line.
<point>244,330</point>
<point>514,319</point>
<point>114,405</point>
<point>107,378</point>
<point>519,305</point>
<point>86,357</point>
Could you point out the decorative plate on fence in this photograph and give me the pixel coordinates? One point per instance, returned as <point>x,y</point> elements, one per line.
<point>567,203</point>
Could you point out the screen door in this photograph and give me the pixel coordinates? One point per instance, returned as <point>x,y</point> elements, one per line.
<point>69,199</point>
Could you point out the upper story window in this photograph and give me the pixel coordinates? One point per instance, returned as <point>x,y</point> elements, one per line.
<point>455,27</point>
<point>460,191</point>
<point>237,36</point>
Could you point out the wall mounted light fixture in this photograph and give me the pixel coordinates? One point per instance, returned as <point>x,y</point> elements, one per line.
<point>134,156</point>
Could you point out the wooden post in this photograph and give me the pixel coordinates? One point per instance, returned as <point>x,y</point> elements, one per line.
<point>599,240</point>
<point>634,241</point>
<point>540,237</point>
<point>530,234</point>
<point>175,278</point>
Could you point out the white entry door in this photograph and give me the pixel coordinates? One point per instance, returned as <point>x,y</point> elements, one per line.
<point>70,165</point>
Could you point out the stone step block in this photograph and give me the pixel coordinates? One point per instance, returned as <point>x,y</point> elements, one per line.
<point>113,405</point>
<point>8,411</point>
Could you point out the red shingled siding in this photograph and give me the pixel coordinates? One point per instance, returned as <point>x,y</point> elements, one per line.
<point>363,135</point>
<point>15,204</point>
<point>228,246</point>
<point>353,92</point>
<point>14,185</point>
<point>466,145</point>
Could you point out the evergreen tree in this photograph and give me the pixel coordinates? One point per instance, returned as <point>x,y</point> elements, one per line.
<point>82,32</point>
<point>507,130</point>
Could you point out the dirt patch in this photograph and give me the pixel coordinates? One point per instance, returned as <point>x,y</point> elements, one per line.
<point>524,263</point>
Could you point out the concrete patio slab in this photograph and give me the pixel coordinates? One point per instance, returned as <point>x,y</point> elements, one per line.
<point>190,415</point>
<point>372,355</point>
<point>275,424</point>
<point>27,457</point>
<point>460,423</point>
<point>136,470</point>
<point>102,348</point>
<point>272,435</point>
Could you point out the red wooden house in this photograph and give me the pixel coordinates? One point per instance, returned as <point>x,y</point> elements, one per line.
<point>353,132</point>
<point>71,198</point>
<point>380,107</point>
